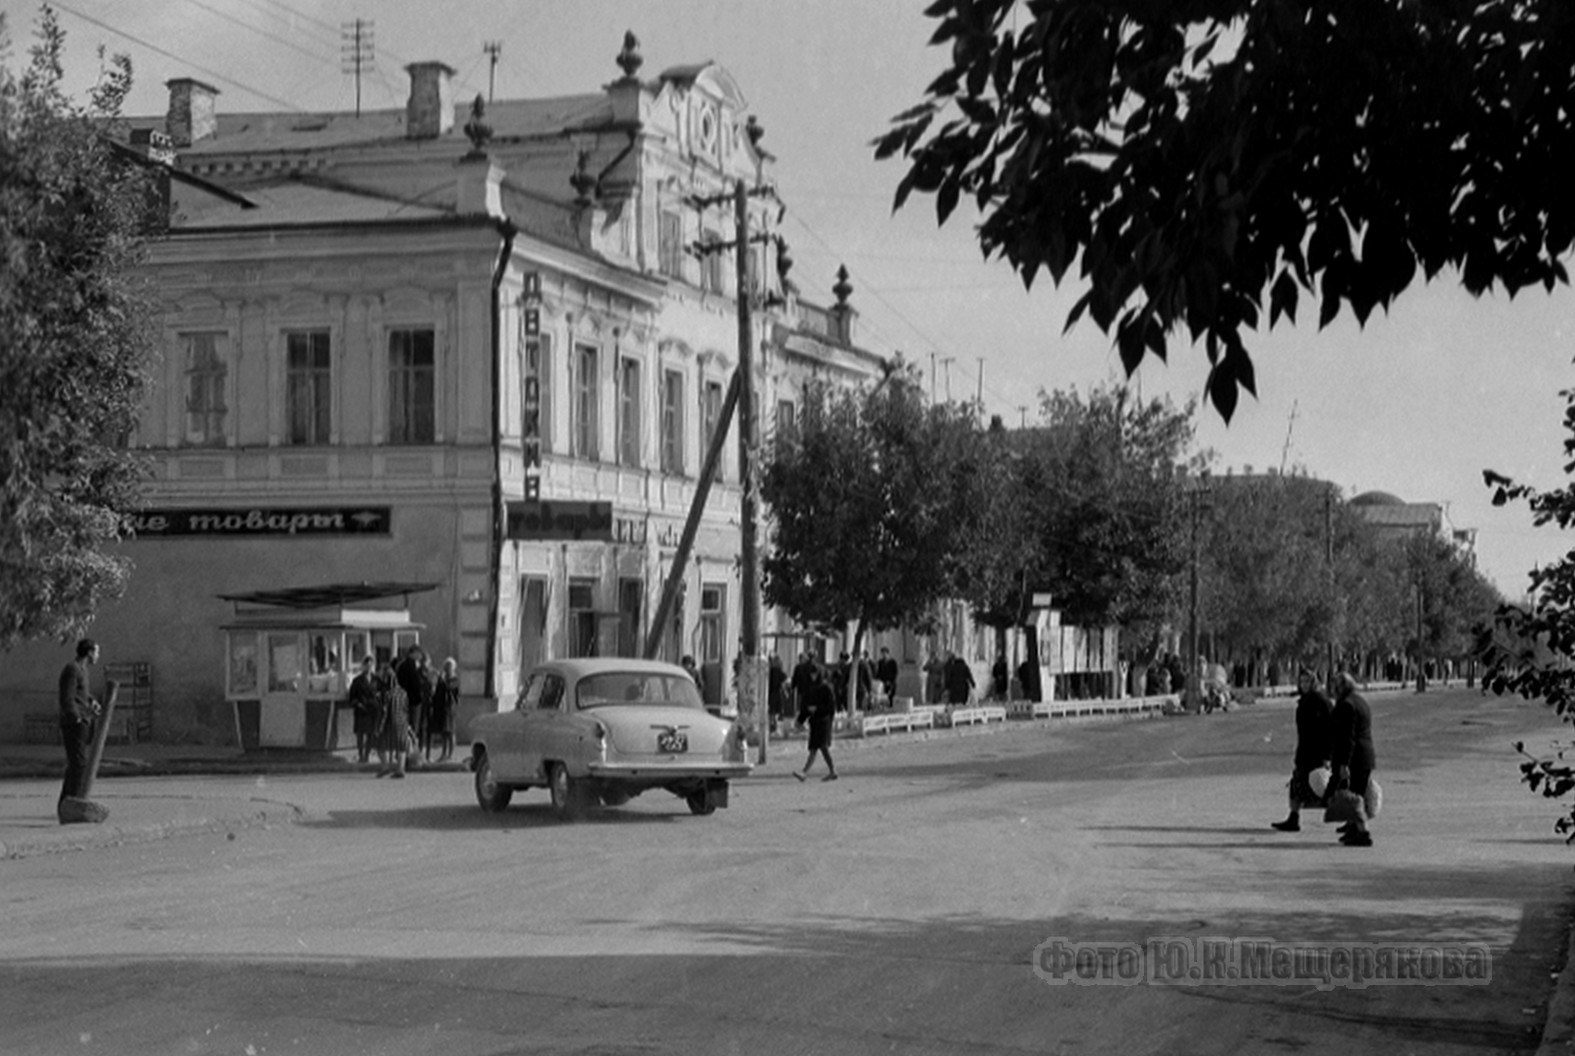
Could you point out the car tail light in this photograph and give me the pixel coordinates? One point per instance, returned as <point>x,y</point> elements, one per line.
<point>735,747</point>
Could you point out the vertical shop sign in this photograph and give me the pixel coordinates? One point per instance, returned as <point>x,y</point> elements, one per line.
<point>530,324</point>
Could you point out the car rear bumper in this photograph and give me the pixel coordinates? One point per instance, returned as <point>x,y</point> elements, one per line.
<point>667,771</point>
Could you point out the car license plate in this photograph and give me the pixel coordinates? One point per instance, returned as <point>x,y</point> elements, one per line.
<point>672,742</point>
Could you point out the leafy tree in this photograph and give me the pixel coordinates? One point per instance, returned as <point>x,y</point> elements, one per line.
<point>1268,584</point>
<point>1527,646</point>
<point>1203,157</point>
<point>869,504</point>
<point>74,337</point>
<point>1099,484</point>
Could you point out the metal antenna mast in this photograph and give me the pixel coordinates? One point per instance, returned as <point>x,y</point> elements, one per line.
<point>356,53</point>
<point>1285,452</point>
<point>493,48</point>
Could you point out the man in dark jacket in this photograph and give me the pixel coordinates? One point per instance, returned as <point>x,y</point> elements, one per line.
<point>1351,755</point>
<point>818,708</point>
<point>1312,746</point>
<point>886,674</point>
<point>78,710</point>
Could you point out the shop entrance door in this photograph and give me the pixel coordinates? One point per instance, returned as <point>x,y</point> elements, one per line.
<point>282,722</point>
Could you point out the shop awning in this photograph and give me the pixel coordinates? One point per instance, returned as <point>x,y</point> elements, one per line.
<point>335,595</point>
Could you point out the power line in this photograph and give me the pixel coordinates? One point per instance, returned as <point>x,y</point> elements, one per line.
<point>257,29</point>
<point>171,55</point>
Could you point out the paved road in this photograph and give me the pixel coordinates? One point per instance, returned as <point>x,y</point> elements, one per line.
<point>897,910</point>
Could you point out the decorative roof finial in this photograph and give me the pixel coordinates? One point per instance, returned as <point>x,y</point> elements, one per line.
<point>629,59</point>
<point>477,129</point>
<point>843,287</point>
<point>754,130</point>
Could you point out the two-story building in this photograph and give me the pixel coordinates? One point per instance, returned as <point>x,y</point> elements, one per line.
<point>461,364</point>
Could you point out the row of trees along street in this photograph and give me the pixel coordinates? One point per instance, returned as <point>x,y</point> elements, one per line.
<point>886,505</point>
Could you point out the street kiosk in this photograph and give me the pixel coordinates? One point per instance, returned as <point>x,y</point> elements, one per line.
<point>291,653</point>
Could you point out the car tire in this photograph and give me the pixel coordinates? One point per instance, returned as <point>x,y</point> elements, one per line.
<point>493,797</point>
<point>700,803</point>
<point>567,798</point>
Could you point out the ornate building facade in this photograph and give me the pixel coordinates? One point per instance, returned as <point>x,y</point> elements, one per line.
<point>471,357</point>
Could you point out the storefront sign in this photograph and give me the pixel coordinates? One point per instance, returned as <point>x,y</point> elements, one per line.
<point>584,521</point>
<point>350,520</point>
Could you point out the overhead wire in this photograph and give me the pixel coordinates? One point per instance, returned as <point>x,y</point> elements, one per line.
<point>1004,400</point>
<point>216,75</point>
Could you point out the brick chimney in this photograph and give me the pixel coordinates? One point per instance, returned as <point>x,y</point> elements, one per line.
<point>430,110</point>
<point>191,117</point>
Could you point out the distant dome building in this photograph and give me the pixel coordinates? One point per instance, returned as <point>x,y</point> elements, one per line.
<point>1394,518</point>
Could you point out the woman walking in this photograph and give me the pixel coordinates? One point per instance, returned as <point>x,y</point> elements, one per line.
<point>818,708</point>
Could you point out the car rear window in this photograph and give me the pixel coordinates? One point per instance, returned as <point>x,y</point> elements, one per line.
<point>637,687</point>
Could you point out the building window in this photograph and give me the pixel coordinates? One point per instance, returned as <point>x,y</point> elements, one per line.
<point>710,411</point>
<point>711,263</point>
<point>670,245</point>
<point>673,422</point>
<point>629,412</point>
<point>582,617</point>
<point>412,387</point>
<point>787,421</point>
<point>309,388</point>
<point>206,373</point>
<point>585,427</point>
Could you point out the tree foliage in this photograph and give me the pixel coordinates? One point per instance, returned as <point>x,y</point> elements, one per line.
<point>1527,647</point>
<point>1207,160</point>
<point>869,504</point>
<point>74,338</point>
<point>1268,585</point>
<point>1101,480</point>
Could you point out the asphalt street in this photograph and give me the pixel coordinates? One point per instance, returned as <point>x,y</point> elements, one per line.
<point>906,908</point>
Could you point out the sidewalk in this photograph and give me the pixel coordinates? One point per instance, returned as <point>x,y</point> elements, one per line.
<point>152,810</point>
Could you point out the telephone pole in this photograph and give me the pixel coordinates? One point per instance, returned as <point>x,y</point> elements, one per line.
<point>356,53</point>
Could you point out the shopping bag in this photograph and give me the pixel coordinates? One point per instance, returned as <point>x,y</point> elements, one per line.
<point>1374,799</point>
<point>1344,805</point>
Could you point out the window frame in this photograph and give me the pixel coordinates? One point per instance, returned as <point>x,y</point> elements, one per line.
<point>585,404</point>
<point>316,381</point>
<point>215,385</point>
<point>404,381</point>
<point>672,454</point>
<point>630,399</point>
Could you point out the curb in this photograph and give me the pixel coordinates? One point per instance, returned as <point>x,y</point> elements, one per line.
<point>253,814</point>
<point>1558,1032</point>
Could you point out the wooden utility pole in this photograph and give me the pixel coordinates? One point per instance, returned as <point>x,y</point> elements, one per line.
<point>750,667</point>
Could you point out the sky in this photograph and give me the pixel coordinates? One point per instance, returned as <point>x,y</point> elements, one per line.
<point>1418,403</point>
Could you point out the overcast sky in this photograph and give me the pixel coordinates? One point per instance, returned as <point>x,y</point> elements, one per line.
<point>1417,404</point>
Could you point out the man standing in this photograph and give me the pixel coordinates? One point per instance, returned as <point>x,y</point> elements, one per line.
<point>1351,755</point>
<point>1312,746</point>
<point>412,677</point>
<point>886,674</point>
<point>78,709</point>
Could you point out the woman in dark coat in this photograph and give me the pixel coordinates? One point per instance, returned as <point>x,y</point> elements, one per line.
<point>1312,746</point>
<point>1351,754</point>
<point>394,728</point>
<point>959,681</point>
<point>818,708</point>
<point>365,708</point>
<point>440,713</point>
